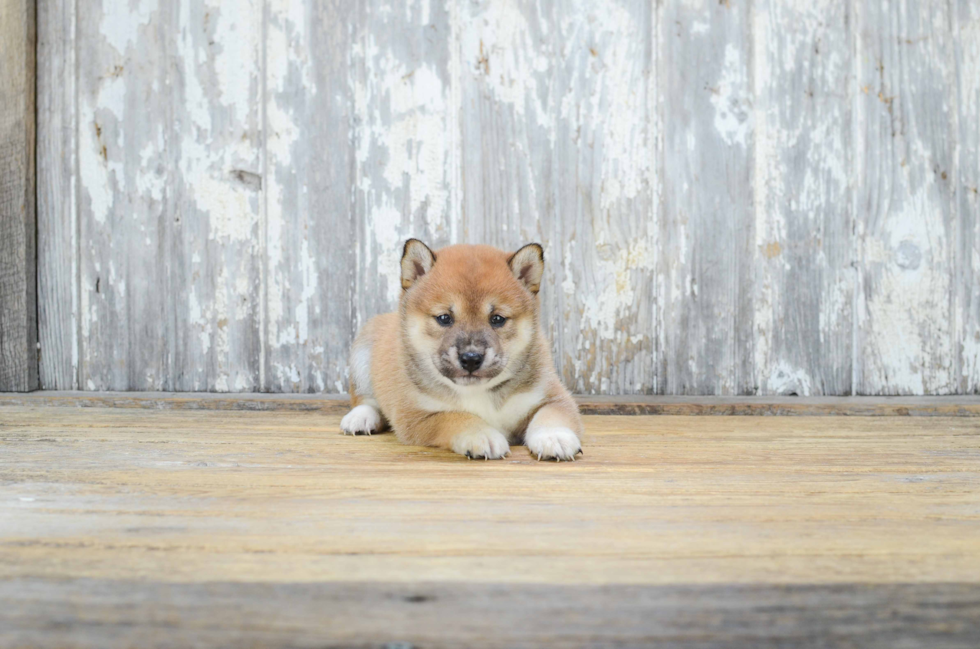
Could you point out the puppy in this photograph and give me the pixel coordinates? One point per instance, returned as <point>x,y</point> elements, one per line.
<point>463,364</point>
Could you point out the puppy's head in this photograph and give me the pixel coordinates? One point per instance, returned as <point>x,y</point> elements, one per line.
<point>470,313</point>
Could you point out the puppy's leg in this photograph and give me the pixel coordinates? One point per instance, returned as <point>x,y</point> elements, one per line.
<point>554,432</point>
<point>459,432</point>
<point>365,416</point>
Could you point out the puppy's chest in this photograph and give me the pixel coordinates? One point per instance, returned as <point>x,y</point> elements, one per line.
<point>505,417</point>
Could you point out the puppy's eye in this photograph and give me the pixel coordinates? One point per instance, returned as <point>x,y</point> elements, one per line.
<point>445,319</point>
<point>497,320</point>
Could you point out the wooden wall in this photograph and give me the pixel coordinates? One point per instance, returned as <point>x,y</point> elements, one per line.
<point>735,197</point>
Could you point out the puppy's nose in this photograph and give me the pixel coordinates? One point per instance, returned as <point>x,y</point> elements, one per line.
<point>471,361</point>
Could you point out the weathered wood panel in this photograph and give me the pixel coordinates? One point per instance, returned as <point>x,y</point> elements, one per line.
<point>966,25</point>
<point>168,156</point>
<point>734,198</point>
<point>802,284</point>
<point>604,195</point>
<point>127,193</point>
<point>707,230</point>
<point>213,143</point>
<point>905,208</point>
<point>308,230</point>
<point>57,186</point>
<point>18,283</point>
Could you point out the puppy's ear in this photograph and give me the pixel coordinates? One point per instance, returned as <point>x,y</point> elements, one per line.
<point>417,260</point>
<point>527,264</point>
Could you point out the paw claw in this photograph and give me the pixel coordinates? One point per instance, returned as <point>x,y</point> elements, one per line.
<point>363,419</point>
<point>557,443</point>
<point>486,443</point>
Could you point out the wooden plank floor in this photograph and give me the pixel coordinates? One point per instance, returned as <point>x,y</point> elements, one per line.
<point>146,528</point>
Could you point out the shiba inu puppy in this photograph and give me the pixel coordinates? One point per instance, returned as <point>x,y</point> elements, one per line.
<point>463,364</point>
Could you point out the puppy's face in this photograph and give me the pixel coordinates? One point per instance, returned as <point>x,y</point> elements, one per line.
<point>470,312</point>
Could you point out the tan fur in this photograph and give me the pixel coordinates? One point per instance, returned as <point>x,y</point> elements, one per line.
<point>519,393</point>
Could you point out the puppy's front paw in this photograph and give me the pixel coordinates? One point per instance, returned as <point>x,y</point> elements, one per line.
<point>486,443</point>
<point>362,420</point>
<point>553,443</point>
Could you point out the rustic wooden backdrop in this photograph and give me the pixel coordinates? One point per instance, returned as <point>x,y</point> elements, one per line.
<point>734,197</point>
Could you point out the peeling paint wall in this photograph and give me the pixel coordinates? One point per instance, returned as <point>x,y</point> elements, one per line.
<point>776,197</point>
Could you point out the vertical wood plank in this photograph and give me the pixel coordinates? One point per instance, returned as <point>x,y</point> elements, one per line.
<point>904,163</point>
<point>802,284</point>
<point>966,22</point>
<point>308,232</point>
<point>507,50</point>
<point>557,148</point>
<point>57,261</point>
<point>708,220</point>
<point>604,198</point>
<point>18,284</point>
<point>126,194</point>
<point>214,254</point>
<point>405,137</point>
<point>166,265</point>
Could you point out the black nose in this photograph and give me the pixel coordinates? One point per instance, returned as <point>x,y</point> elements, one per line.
<point>471,361</point>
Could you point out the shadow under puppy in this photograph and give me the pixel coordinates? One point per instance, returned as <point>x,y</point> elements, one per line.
<point>463,364</point>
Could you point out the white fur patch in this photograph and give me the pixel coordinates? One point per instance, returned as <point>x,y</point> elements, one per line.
<point>477,400</point>
<point>363,419</point>
<point>552,443</point>
<point>484,442</point>
<point>360,370</point>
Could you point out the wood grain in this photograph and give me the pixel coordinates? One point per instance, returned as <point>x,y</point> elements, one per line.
<point>57,197</point>
<point>213,148</point>
<point>104,613</point>
<point>18,258</point>
<point>966,32</point>
<point>802,283</point>
<point>707,233</point>
<point>310,171</point>
<point>777,197</point>
<point>904,158</point>
<point>128,188</point>
<point>138,527</point>
<point>199,497</point>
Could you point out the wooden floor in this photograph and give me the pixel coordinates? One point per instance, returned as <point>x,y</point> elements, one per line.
<point>176,528</point>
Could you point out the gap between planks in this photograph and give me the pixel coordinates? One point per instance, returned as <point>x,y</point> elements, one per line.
<point>949,406</point>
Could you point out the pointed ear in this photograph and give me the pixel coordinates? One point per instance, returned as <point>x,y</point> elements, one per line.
<point>417,260</point>
<point>527,264</point>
